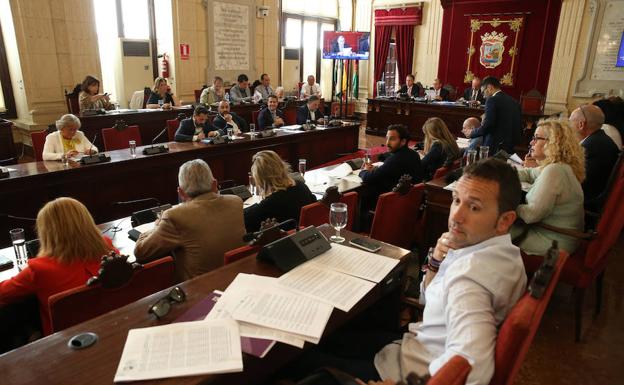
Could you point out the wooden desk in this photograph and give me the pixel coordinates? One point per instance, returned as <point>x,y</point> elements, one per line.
<point>50,361</point>
<point>126,178</point>
<point>437,209</point>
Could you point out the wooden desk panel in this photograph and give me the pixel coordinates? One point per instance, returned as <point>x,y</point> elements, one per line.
<point>125,178</point>
<point>50,361</point>
<point>437,210</point>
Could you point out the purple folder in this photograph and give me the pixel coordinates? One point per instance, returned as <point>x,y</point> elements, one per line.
<point>255,346</point>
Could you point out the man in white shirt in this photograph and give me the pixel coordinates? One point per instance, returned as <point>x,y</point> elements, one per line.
<point>264,88</point>
<point>474,277</point>
<point>310,88</point>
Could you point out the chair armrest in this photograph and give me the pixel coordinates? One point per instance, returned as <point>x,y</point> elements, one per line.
<point>568,232</point>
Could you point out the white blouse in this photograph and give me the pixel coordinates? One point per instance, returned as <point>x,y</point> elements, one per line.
<point>53,147</point>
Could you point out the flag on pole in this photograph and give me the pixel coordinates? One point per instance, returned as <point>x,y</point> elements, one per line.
<point>344,79</point>
<point>356,78</point>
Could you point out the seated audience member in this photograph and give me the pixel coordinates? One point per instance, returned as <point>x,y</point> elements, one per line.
<point>600,152</point>
<point>474,93</point>
<point>213,94</point>
<point>282,196</point>
<point>440,92</point>
<point>279,92</point>
<point>264,88</point>
<point>197,127</point>
<point>440,147</point>
<point>200,229</point>
<point>474,276</point>
<point>310,111</point>
<point>270,116</point>
<point>90,97</point>
<point>555,167</point>
<point>226,119</point>
<point>67,141</point>
<point>401,160</point>
<point>409,88</point>
<point>609,126</point>
<point>241,92</point>
<point>310,87</point>
<point>160,96</point>
<point>70,252</point>
<point>469,125</point>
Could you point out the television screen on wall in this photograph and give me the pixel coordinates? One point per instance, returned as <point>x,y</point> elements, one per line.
<point>346,45</point>
<point>620,58</point>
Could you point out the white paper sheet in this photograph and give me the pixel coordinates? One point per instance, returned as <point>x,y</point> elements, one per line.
<point>356,262</point>
<point>337,289</point>
<point>181,349</point>
<point>340,171</point>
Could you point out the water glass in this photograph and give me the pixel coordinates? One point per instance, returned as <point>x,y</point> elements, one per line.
<point>160,103</point>
<point>252,185</point>
<point>471,157</point>
<point>65,160</point>
<point>252,129</point>
<point>338,220</point>
<point>18,237</point>
<point>132,146</point>
<point>302,166</point>
<point>326,120</point>
<point>230,132</point>
<point>484,152</point>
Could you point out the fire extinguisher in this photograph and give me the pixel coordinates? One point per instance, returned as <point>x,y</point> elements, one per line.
<point>164,67</point>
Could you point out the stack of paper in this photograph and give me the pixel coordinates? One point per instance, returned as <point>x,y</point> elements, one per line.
<point>181,349</point>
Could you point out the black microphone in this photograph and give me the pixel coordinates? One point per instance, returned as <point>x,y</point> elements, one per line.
<point>9,216</point>
<point>143,200</point>
<point>94,158</point>
<point>153,150</point>
<point>257,234</point>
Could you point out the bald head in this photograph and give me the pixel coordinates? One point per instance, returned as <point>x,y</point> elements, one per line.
<point>587,119</point>
<point>469,125</point>
<point>224,107</point>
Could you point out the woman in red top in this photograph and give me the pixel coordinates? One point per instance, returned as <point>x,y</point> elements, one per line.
<point>70,253</point>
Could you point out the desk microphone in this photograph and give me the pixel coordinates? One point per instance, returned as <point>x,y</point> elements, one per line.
<point>153,150</point>
<point>257,234</point>
<point>94,158</point>
<point>143,200</point>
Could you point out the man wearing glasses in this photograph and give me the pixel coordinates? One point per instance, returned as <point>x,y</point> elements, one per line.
<point>601,152</point>
<point>501,128</point>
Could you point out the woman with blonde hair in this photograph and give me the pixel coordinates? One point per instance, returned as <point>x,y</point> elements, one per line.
<point>282,196</point>
<point>440,146</point>
<point>70,252</point>
<point>555,166</point>
<point>160,96</point>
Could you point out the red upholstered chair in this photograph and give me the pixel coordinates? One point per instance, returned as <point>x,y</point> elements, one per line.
<point>38,140</point>
<point>397,216</point>
<point>117,140</point>
<point>254,117</point>
<point>290,116</point>
<point>454,372</point>
<point>532,101</point>
<point>80,304</point>
<point>342,159</point>
<point>172,127</point>
<point>239,253</point>
<point>517,331</point>
<point>442,171</point>
<point>317,213</point>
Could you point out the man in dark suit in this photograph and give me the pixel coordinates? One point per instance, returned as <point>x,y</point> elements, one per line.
<point>227,119</point>
<point>441,93</point>
<point>601,153</point>
<point>197,127</point>
<point>409,88</point>
<point>401,160</point>
<point>270,116</point>
<point>339,45</point>
<point>309,111</point>
<point>474,93</point>
<point>501,127</point>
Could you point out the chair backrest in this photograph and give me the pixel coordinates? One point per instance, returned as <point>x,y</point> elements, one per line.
<point>172,127</point>
<point>38,140</point>
<point>197,94</point>
<point>517,331</point>
<point>317,213</point>
<point>532,101</point>
<point>239,253</point>
<point>396,216</point>
<point>290,116</point>
<point>117,140</point>
<point>80,304</point>
<point>454,372</point>
<point>442,171</point>
<point>71,99</point>
<point>254,117</point>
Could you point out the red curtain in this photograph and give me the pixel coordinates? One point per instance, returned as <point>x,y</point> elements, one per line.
<point>405,50</point>
<point>382,46</point>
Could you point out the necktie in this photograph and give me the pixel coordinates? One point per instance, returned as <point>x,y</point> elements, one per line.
<point>474,94</point>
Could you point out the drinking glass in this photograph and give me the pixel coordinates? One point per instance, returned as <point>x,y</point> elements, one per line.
<point>302,166</point>
<point>471,157</point>
<point>252,129</point>
<point>160,103</point>
<point>326,120</point>
<point>338,220</point>
<point>18,237</point>
<point>132,145</point>
<point>252,185</point>
<point>230,132</point>
<point>484,152</point>
<point>65,160</point>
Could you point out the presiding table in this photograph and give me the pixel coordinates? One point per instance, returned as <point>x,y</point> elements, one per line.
<point>50,361</point>
<point>31,185</point>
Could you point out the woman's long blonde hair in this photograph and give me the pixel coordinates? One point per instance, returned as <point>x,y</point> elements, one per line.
<point>157,83</point>
<point>435,130</point>
<point>68,233</point>
<point>562,146</point>
<point>270,173</point>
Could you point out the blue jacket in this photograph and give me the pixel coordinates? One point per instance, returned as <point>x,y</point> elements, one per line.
<point>265,119</point>
<point>220,123</point>
<point>186,131</point>
<point>502,126</point>
<point>303,114</point>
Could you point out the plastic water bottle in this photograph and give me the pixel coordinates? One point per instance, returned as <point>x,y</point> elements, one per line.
<point>227,97</point>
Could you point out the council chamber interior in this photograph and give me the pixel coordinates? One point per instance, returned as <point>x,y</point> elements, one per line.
<point>311,192</point>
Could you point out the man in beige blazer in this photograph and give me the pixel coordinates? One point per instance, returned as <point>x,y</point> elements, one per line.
<point>199,230</point>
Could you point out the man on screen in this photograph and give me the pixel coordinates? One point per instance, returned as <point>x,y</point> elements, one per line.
<point>363,44</point>
<point>340,46</point>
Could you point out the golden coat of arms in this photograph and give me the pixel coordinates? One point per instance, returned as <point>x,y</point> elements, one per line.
<point>492,49</point>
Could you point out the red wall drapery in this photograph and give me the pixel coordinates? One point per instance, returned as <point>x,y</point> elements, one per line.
<point>382,46</point>
<point>405,50</point>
